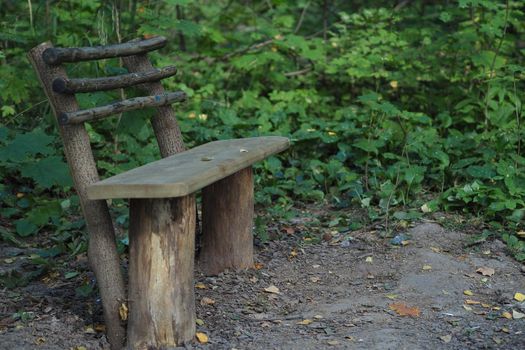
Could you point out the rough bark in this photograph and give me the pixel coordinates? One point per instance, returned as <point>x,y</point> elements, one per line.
<point>71,86</point>
<point>161,290</point>
<point>131,104</point>
<point>102,251</point>
<point>165,126</point>
<point>57,55</point>
<point>227,219</point>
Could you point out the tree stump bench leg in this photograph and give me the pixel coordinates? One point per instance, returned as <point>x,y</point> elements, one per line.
<point>227,221</point>
<point>161,290</point>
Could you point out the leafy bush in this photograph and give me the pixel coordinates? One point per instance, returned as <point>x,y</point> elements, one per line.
<point>397,110</point>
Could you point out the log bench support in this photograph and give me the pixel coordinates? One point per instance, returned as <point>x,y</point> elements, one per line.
<point>161,252</point>
<point>162,229</point>
<point>227,221</point>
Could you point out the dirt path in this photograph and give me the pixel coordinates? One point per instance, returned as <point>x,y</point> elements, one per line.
<point>338,294</point>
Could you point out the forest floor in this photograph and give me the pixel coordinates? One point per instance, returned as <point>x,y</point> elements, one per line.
<point>438,289</point>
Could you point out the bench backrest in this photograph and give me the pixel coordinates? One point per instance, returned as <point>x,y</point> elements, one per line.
<point>60,90</point>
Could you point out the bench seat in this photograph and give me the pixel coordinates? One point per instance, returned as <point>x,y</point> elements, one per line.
<point>186,172</point>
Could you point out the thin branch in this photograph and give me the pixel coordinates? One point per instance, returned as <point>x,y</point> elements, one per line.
<point>246,49</point>
<point>301,18</point>
<point>298,72</point>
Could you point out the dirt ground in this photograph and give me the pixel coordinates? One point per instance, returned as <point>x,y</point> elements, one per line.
<point>349,291</point>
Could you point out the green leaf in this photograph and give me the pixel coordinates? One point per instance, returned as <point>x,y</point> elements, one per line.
<point>481,171</point>
<point>47,172</point>
<point>188,28</point>
<point>25,228</point>
<point>41,214</point>
<point>71,274</point>
<point>366,145</point>
<point>28,144</point>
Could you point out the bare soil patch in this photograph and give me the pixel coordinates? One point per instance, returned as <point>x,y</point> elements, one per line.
<point>340,294</point>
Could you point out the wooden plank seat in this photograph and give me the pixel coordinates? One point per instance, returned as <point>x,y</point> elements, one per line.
<point>184,173</point>
<point>160,292</point>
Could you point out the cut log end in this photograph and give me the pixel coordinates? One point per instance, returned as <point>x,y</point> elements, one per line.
<point>59,85</point>
<point>50,56</point>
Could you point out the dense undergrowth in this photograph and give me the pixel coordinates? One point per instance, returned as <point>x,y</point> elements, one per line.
<point>402,110</point>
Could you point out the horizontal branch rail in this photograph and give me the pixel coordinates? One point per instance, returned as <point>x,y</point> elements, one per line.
<point>71,86</point>
<point>120,106</point>
<point>57,55</point>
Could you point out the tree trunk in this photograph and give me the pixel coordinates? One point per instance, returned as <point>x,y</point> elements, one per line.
<point>161,290</point>
<point>227,220</point>
<point>102,251</point>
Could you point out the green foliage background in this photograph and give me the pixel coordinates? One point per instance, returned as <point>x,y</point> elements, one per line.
<point>401,109</point>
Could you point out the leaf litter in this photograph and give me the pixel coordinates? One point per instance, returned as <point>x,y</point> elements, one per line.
<point>250,311</point>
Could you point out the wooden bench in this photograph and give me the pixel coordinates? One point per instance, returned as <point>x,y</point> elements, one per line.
<point>160,294</point>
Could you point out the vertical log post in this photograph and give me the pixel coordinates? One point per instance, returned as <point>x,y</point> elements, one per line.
<point>227,220</point>
<point>169,138</point>
<point>102,250</point>
<point>161,253</point>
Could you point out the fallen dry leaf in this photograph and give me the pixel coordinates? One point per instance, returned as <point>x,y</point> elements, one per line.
<point>426,267</point>
<point>507,315</point>
<point>391,296</point>
<point>472,302</point>
<point>468,292</point>
<point>505,330</point>
<point>517,315</point>
<point>258,266</point>
<point>199,322</point>
<point>293,254</point>
<point>435,249</point>
<point>289,230</point>
<point>333,342</point>
<point>486,271</point>
<point>272,289</point>
<point>201,337</point>
<point>466,307</point>
<point>100,328</point>
<point>369,259</point>
<point>318,317</point>
<point>485,305</point>
<point>200,285</point>
<point>123,311</point>
<point>207,301</point>
<point>519,297</point>
<point>305,322</point>
<point>446,338</point>
<point>520,233</point>
<point>405,310</point>
<point>315,279</point>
